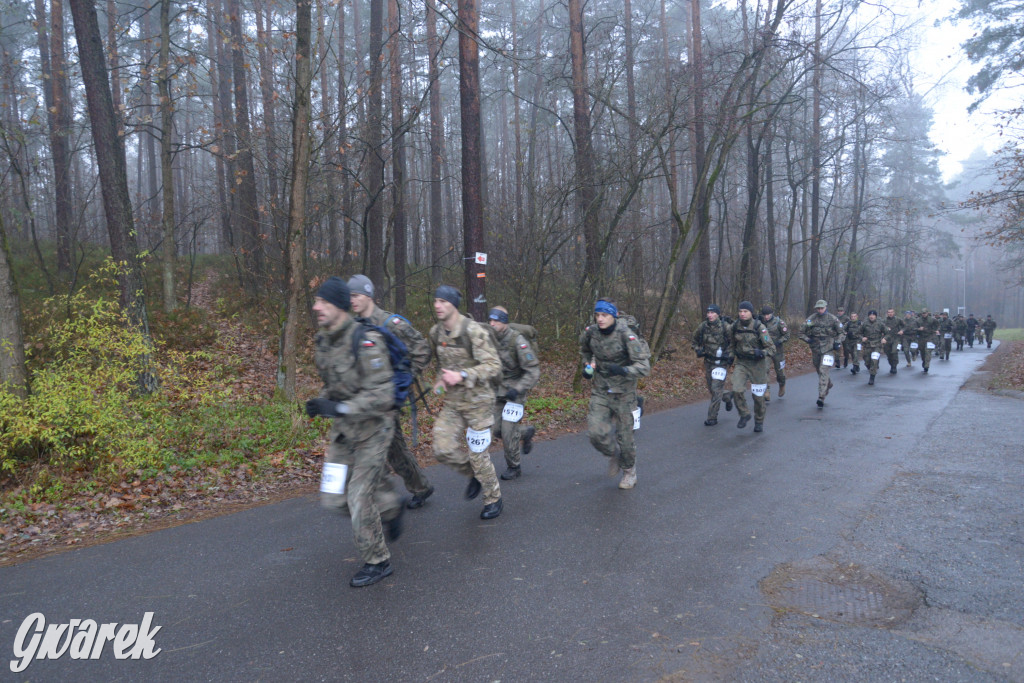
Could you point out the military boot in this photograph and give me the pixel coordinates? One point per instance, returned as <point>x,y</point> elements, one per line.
<point>767,395</point>
<point>528,440</point>
<point>628,478</point>
<point>371,574</point>
<point>782,389</point>
<point>871,380</point>
<point>512,473</point>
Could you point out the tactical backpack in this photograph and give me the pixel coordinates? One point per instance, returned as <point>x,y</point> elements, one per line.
<point>463,341</point>
<point>398,354</point>
<point>529,333</point>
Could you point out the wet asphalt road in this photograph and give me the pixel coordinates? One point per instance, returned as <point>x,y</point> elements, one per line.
<point>916,480</point>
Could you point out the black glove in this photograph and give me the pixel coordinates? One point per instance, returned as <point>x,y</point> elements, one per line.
<point>511,395</point>
<point>778,345</point>
<point>614,369</point>
<point>758,354</point>
<point>588,372</point>
<point>699,352</point>
<point>727,361</point>
<point>836,346</point>
<point>325,407</point>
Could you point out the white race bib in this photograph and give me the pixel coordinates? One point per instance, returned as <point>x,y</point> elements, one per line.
<point>758,389</point>
<point>899,347</point>
<point>875,355</point>
<point>513,412</point>
<point>782,364</point>
<point>636,418</point>
<point>948,335</point>
<point>719,374</point>
<point>478,439</point>
<point>827,361</point>
<point>859,347</point>
<point>913,346</point>
<point>333,478</point>
<point>930,345</point>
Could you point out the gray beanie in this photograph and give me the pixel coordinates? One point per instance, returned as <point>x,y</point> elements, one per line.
<point>360,284</point>
<point>449,294</point>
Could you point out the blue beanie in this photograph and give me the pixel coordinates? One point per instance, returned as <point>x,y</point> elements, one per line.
<point>335,291</point>
<point>449,294</point>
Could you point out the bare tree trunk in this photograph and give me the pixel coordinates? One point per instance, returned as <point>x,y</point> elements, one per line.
<point>516,119</point>
<point>342,146</point>
<point>699,143</point>
<point>115,60</point>
<point>586,196</point>
<point>769,201</point>
<point>58,106</point>
<point>329,146</point>
<point>437,233</point>
<point>812,285</point>
<point>220,89</point>
<point>246,203</point>
<point>113,172</point>
<point>269,120</point>
<point>13,375</point>
<point>296,243</point>
<point>373,252</point>
<point>472,201</point>
<point>150,198</point>
<point>399,227</point>
<point>166,158</point>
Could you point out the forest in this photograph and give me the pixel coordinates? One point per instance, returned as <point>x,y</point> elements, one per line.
<point>668,153</point>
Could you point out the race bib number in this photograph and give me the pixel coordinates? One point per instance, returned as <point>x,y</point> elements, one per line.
<point>930,345</point>
<point>782,364</point>
<point>333,478</point>
<point>512,412</point>
<point>719,374</point>
<point>948,335</point>
<point>758,389</point>
<point>827,361</point>
<point>859,347</point>
<point>636,418</point>
<point>478,439</point>
<point>913,346</point>
<point>875,355</point>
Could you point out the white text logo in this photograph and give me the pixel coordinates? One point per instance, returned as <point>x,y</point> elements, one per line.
<point>81,639</point>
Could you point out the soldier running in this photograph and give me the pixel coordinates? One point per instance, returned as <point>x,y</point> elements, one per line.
<point>710,343</point>
<point>751,345</point>
<point>824,334</point>
<point>780,335</point>
<point>520,371</point>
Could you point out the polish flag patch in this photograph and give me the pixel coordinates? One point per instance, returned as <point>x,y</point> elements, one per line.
<point>523,346</point>
<point>367,342</point>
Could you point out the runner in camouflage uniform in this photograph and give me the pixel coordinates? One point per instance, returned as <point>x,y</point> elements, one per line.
<point>520,371</point>
<point>468,367</point>
<point>945,330</point>
<point>710,343</point>
<point>780,335</point>
<point>873,338</point>
<point>614,358</point>
<point>893,325</point>
<point>959,331</point>
<point>927,333</point>
<point>989,328</point>
<point>824,334</point>
<point>909,337</point>
<point>972,327</point>
<point>359,395</point>
<point>844,321</point>
<point>751,345</point>
<point>852,330</point>
<point>400,458</point>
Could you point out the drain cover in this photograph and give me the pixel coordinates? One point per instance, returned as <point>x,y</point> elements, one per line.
<point>846,593</point>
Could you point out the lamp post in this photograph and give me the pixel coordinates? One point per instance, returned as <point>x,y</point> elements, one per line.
<point>963,311</point>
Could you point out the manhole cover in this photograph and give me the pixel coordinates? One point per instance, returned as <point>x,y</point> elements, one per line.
<point>846,593</point>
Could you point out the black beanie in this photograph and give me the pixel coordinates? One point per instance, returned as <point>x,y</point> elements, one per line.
<point>767,310</point>
<point>335,291</point>
<point>747,305</point>
<point>449,294</point>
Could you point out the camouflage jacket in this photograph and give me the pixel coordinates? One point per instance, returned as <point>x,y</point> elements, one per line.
<point>520,369</point>
<point>945,326</point>
<point>363,383</point>
<point>852,329</point>
<point>893,326</point>
<point>711,341</point>
<point>908,333</point>
<point>778,330</point>
<point>928,328</point>
<point>748,337</point>
<point>959,326</point>
<point>821,331</point>
<point>874,332</point>
<point>619,346</point>
<point>989,325</point>
<point>971,323</point>
<point>476,356</point>
<point>419,347</point>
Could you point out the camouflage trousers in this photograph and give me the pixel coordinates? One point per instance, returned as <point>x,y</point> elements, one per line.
<point>824,381</point>
<point>716,388</point>
<point>872,364</point>
<point>849,353</point>
<point>450,447</point>
<point>778,361</point>
<point>610,426</point>
<point>947,346</point>
<point>892,355</point>
<point>908,353</point>
<point>926,354</point>
<point>988,339</point>
<point>755,372</point>
<point>510,434</point>
<point>403,462</point>
<point>369,495</point>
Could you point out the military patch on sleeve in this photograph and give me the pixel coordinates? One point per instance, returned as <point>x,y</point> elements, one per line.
<point>396,321</point>
<point>808,321</point>
<point>368,343</point>
<point>523,346</point>
<point>785,329</point>
<point>529,356</point>
<point>632,337</point>
<point>376,363</point>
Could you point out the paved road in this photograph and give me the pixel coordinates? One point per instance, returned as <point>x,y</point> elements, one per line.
<point>877,539</point>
